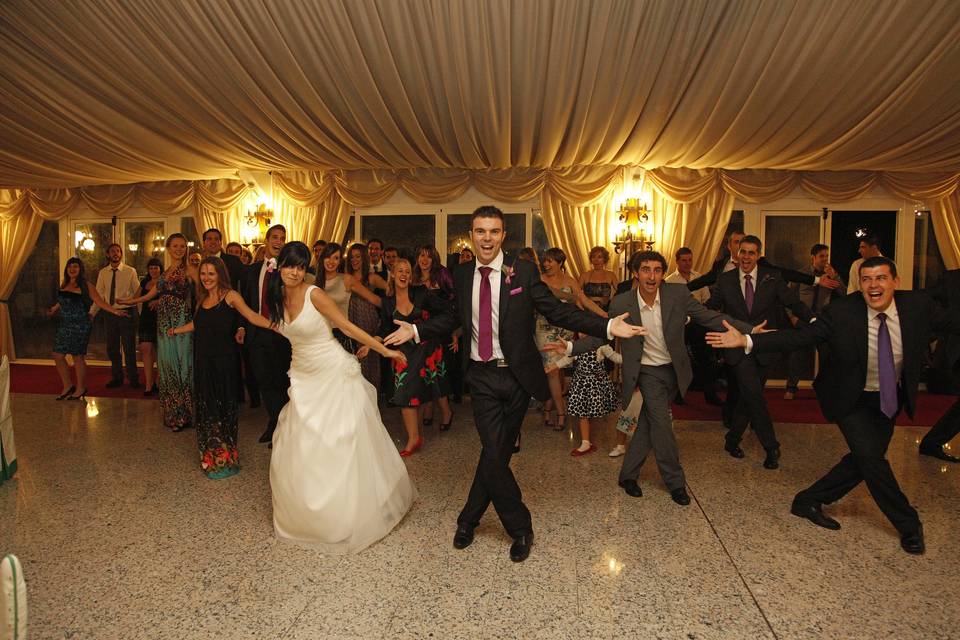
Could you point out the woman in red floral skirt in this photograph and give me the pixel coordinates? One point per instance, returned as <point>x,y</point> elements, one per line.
<point>425,376</point>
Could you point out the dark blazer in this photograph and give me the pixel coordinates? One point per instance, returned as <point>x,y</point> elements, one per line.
<point>843,326</point>
<point>250,290</point>
<point>524,294</point>
<point>947,294</point>
<point>771,295</point>
<point>710,278</point>
<point>235,268</point>
<point>677,307</point>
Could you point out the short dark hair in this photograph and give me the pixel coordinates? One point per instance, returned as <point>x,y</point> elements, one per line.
<point>601,251</point>
<point>319,243</point>
<point>556,254</point>
<point>273,228</point>
<point>752,240</point>
<point>879,261</point>
<point>486,211</point>
<point>114,244</point>
<point>871,240</point>
<point>390,248</point>
<point>234,244</point>
<point>372,240</point>
<point>817,248</point>
<point>682,251</point>
<point>648,256</point>
<point>212,230</point>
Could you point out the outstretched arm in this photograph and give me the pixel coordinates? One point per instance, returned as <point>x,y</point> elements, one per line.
<point>355,286</point>
<point>331,311</point>
<point>235,300</point>
<point>149,295</point>
<point>103,304</point>
<point>187,328</point>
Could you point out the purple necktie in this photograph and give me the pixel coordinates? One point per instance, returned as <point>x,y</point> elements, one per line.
<point>485,328</point>
<point>748,292</point>
<point>886,369</point>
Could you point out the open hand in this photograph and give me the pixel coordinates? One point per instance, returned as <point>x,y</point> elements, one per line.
<point>404,334</point>
<point>393,354</point>
<point>729,339</point>
<point>171,332</point>
<point>362,352</point>
<point>828,282</point>
<point>761,328</point>
<point>620,328</point>
<point>555,347</point>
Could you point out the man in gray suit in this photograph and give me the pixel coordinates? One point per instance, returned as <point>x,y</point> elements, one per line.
<point>658,365</point>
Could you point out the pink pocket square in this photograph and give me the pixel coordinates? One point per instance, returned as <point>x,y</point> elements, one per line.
<point>516,291</point>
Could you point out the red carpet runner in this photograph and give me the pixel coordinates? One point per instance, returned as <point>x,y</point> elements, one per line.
<point>33,378</point>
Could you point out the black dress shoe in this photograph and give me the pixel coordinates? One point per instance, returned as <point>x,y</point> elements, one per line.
<point>713,399</point>
<point>939,454</point>
<point>113,384</point>
<point>267,435</point>
<point>135,384</point>
<point>680,496</point>
<point>733,450</point>
<point>463,537</point>
<point>773,459</point>
<point>520,548</point>
<point>814,514</point>
<point>913,542</point>
<point>631,488</point>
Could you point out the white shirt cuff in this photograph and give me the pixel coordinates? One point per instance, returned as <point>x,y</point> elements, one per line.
<point>569,348</point>
<point>747,349</point>
<point>816,280</point>
<point>609,335</point>
<point>416,334</point>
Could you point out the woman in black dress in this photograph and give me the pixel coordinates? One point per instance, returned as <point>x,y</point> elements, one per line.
<point>147,329</point>
<point>74,299</point>
<point>430,273</point>
<point>424,376</point>
<point>216,368</point>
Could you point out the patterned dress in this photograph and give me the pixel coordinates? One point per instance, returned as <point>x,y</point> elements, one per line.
<point>592,393</point>
<point>216,369</point>
<point>425,375</point>
<point>366,316</point>
<point>73,332</point>
<point>546,333</point>
<point>175,354</point>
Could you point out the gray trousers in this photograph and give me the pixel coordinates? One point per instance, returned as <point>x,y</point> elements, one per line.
<point>655,428</point>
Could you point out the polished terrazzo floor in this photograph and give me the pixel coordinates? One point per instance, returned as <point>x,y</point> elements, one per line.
<point>121,537</point>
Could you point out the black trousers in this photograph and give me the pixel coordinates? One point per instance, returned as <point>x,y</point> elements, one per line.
<point>270,357</point>
<point>703,358</point>
<point>249,378</point>
<point>867,432</point>
<point>751,408</point>
<point>499,405</point>
<point>946,429</point>
<point>122,332</point>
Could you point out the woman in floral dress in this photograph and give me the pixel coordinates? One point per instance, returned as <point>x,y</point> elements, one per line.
<point>424,377</point>
<point>361,311</point>
<point>430,273</point>
<point>177,292</point>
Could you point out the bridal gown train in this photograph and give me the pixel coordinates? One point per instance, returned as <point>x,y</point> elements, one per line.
<point>338,482</point>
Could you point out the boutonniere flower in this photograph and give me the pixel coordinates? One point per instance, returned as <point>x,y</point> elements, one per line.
<point>271,265</point>
<point>508,271</point>
<point>766,278</point>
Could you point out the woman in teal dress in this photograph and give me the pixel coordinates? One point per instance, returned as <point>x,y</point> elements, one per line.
<point>177,292</point>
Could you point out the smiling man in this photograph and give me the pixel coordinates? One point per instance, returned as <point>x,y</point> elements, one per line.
<point>496,299</point>
<point>870,371</point>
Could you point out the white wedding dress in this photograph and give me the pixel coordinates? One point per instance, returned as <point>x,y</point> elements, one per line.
<point>338,482</point>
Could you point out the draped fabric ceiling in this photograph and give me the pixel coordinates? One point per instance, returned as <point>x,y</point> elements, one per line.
<point>347,100</point>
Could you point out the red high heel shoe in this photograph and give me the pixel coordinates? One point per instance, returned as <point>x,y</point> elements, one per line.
<point>406,453</point>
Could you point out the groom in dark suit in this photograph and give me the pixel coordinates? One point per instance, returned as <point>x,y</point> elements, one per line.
<point>871,370</point>
<point>496,300</point>
<point>269,351</point>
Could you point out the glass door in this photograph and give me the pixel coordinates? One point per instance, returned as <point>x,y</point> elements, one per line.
<point>142,239</point>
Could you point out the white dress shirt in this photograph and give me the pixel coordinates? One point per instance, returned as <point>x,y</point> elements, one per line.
<point>896,341</point>
<point>655,352</point>
<point>494,277</point>
<point>730,266</point>
<point>128,285</point>
<point>701,295</point>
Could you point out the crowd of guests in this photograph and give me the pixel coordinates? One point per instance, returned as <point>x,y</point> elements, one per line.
<point>189,320</point>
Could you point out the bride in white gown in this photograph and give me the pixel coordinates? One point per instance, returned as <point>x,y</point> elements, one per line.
<point>338,482</point>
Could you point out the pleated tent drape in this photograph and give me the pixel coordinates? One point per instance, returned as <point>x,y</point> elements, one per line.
<point>217,203</point>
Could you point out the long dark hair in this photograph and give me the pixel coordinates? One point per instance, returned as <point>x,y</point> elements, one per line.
<point>332,248</point>
<point>81,280</point>
<point>223,280</point>
<point>439,276</point>
<point>293,254</point>
<point>364,261</point>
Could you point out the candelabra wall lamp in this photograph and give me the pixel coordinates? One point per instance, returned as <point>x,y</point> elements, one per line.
<point>634,229</point>
<point>257,222</point>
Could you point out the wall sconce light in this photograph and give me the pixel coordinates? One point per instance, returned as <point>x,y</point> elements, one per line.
<point>257,222</point>
<point>635,227</point>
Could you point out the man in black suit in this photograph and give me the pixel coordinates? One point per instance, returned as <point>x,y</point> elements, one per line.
<point>269,351</point>
<point>946,361</point>
<point>755,295</point>
<point>871,370</point>
<point>213,246</point>
<point>496,300</point>
<point>375,253</point>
